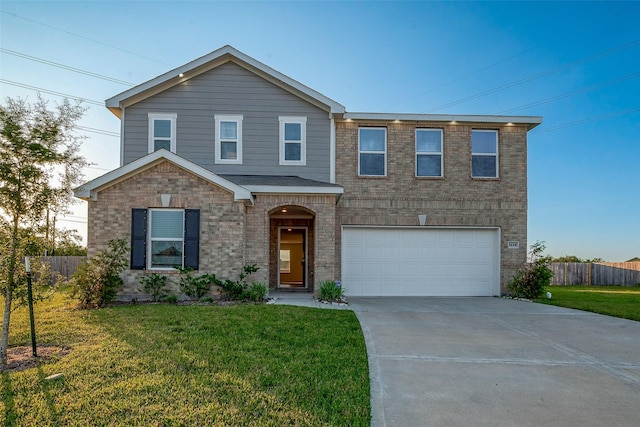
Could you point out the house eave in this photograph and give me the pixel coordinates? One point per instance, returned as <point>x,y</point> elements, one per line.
<point>209,62</point>
<point>90,190</point>
<point>529,121</point>
<point>281,189</point>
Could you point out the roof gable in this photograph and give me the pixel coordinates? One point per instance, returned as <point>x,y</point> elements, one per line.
<point>90,190</point>
<point>209,62</point>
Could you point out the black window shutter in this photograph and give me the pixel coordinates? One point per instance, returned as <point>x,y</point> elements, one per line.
<point>138,239</point>
<point>192,238</point>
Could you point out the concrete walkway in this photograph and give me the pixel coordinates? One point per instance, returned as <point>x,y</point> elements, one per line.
<point>498,362</point>
<point>302,299</point>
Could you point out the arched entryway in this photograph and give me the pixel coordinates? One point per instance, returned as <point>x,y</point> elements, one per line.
<point>291,243</point>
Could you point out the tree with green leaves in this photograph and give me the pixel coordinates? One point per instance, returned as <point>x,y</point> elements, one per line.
<point>40,163</point>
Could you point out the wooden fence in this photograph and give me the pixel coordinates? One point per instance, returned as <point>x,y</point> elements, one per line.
<point>65,265</point>
<point>595,274</point>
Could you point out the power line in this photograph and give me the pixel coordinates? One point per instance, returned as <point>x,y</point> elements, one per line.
<point>100,131</point>
<point>51,92</point>
<point>86,38</point>
<point>574,93</point>
<point>587,120</point>
<point>572,64</point>
<point>64,67</point>
<point>462,77</point>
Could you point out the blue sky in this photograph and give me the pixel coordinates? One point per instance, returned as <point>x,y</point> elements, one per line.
<point>577,64</point>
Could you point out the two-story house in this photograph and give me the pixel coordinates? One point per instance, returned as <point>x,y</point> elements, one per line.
<point>226,162</point>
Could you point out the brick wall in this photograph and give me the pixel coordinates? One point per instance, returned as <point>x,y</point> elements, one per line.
<point>323,207</point>
<point>454,200</point>
<point>222,221</point>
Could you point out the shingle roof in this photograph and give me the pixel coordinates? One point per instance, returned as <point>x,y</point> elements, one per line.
<point>276,180</point>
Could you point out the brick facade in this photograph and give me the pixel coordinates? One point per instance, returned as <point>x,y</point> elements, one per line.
<point>232,234</point>
<point>456,199</point>
<point>222,221</point>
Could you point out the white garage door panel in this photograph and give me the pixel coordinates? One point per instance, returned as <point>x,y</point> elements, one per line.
<point>420,262</point>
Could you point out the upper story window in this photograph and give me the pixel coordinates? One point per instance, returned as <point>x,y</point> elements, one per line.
<point>484,153</point>
<point>293,140</point>
<point>228,139</point>
<point>372,151</point>
<point>162,131</point>
<point>429,152</point>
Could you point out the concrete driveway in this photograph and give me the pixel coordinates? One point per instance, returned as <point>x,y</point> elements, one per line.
<point>498,362</point>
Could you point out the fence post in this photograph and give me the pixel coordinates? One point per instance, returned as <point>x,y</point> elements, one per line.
<point>566,267</point>
<point>589,274</point>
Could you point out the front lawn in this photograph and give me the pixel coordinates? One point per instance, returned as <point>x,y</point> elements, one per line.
<point>165,365</point>
<point>618,301</point>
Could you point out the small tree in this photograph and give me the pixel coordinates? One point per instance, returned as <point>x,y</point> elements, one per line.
<point>529,281</point>
<point>39,165</point>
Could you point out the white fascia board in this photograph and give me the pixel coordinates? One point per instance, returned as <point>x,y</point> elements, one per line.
<point>530,121</point>
<point>89,191</point>
<point>206,63</point>
<point>278,189</point>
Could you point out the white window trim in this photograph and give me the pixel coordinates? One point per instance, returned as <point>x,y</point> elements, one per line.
<point>303,139</point>
<point>162,116</point>
<point>160,239</point>
<point>218,150</point>
<point>373,152</point>
<point>487,154</point>
<point>430,153</point>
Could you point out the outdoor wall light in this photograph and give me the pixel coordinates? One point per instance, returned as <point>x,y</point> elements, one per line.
<point>284,210</point>
<point>422,219</point>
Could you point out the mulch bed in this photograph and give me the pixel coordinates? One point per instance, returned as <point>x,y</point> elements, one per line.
<point>21,358</point>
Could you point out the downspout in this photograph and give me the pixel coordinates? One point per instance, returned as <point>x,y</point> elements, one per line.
<point>332,150</point>
<point>122,138</point>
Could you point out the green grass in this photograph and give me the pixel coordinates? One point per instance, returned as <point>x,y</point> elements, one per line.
<point>167,365</point>
<point>618,301</point>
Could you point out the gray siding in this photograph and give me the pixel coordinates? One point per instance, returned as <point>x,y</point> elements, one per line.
<point>231,89</point>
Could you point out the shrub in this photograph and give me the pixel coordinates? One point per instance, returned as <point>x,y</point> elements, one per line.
<point>529,281</point>
<point>96,282</point>
<point>154,284</point>
<point>237,289</point>
<point>171,299</point>
<point>196,286</point>
<point>330,291</point>
<point>257,292</point>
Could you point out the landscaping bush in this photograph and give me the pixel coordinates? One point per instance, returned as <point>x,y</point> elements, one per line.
<point>96,282</point>
<point>529,281</point>
<point>196,286</point>
<point>170,299</point>
<point>154,284</point>
<point>257,292</point>
<point>330,291</point>
<point>238,289</point>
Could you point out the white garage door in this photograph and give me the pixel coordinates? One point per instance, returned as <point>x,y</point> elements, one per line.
<point>420,262</point>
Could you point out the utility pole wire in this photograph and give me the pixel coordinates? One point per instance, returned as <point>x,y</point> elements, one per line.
<point>572,64</point>
<point>51,92</point>
<point>86,38</point>
<point>587,120</point>
<point>574,93</point>
<point>64,67</point>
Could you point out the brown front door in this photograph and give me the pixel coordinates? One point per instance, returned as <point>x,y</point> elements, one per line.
<point>292,257</point>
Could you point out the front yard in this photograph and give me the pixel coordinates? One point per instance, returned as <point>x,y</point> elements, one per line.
<point>618,301</point>
<point>163,365</point>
